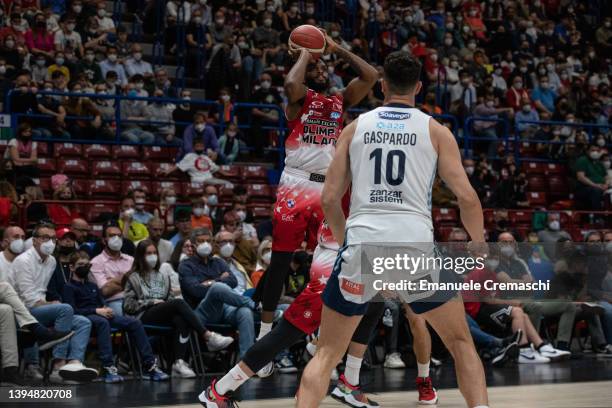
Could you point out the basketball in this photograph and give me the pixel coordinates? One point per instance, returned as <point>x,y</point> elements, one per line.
<point>308,37</point>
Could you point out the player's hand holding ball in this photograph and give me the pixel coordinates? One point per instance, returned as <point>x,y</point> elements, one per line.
<point>310,38</point>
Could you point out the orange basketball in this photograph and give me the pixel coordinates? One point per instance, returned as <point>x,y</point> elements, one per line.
<point>308,37</point>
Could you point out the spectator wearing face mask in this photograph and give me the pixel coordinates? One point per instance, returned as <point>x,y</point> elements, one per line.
<point>55,125</point>
<point>59,65</point>
<point>105,23</point>
<point>183,226</point>
<point>245,252</point>
<point>211,195</point>
<point>264,255</point>
<point>16,29</point>
<point>109,268</point>
<point>162,124</point>
<point>155,226</point>
<point>526,115</point>
<point>264,94</point>
<point>21,157</point>
<point>68,37</point>
<point>229,144</point>
<point>111,64</point>
<point>199,214</point>
<point>84,107</point>
<point>463,94</point>
<point>200,130</point>
<point>183,113</point>
<point>591,177</point>
<point>552,234</point>
<point>66,246</point>
<point>543,97</point>
<point>162,82</point>
<point>135,111</point>
<point>165,208</point>
<point>488,128</point>
<point>218,29</point>
<point>13,243</point>
<point>517,94</point>
<point>140,199</point>
<point>264,227</point>
<point>38,39</point>
<point>131,229</point>
<point>82,232</point>
<point>135,65</point>
<point>224,247</point>
<point>62,214</point>
<point>248,230</point>
<point>181,252</point>
<point>199,166</point>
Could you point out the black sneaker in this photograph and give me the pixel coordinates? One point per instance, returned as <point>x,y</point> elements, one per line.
<point>286,366</point>
<point>513,338</point>
<point>509,350</point>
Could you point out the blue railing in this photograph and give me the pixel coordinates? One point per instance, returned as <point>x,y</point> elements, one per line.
<point>469,136</point>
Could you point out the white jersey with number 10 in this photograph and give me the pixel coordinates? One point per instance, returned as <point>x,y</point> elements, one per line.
<point>393,166</point>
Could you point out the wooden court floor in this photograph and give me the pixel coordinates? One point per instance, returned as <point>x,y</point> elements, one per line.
<point>562,395</point>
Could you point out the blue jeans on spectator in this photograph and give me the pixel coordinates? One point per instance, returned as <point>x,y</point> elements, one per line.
<point>132,326</point>
<point>137,135</point>
<point>116,305</point>
<point>61,317</point>
<point>222,305</point>
<point>482,339</point>
<point>606,320</point>
<point>253,67</point>
<point>161,139</point>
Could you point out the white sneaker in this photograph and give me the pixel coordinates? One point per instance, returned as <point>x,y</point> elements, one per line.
<point>33,372</point>
<point>549,351</point>
<point>181,369</point>
<point>216,342</point>
<point>335,375</point>
<point>266,371</point>
<point>55,377</point>
<point>435,362</point>
<point>77,372</point>
<point>311,348</point>
<point>528,355</point>
<point>394,360</point>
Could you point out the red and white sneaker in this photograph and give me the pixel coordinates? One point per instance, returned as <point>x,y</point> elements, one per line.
<point>209,398</point>
<point>427,393</point>
<point>351,395</point>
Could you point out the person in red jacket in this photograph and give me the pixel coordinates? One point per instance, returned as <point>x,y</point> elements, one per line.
<point>62,214</point>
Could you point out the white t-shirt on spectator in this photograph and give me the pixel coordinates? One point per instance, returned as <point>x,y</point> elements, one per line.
<point>73,39</point>
<point>105,23</point>
<point>167,269</point>
<point>199,167</point>
<point>5,267</point>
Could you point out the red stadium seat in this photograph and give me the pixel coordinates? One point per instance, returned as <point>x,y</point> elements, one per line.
<point>73,167</point>
<point>97,151</point>
<point>126,152</point>
<point>104,189</point>
<point>157,171</point>
<point>558,187</point>
<point>192,189</point>
<point>130,185</point>
<point>445,216</point>
<point>42,149</point>
<point>64,150</point>
<point>522,231</point>
<point>46,166</point>
<point>136,169</point>
<point>81,187</point>
<point>261,213</point>
<point>527,149</point>
<point>105,169</point>
<point>233,173</point>
<point>533,167</point>
<point>260,193</point>
<point>158,186</point>
<point>520,217</point>
<point>159,153</point>
<point>443,232</point>
<point>536,183</point>
<point>556,169</point>
<point>45,184</point>
<point>255,174</point>
<point>226,195</point>
<point>537,199</point>
<point>96,212</point>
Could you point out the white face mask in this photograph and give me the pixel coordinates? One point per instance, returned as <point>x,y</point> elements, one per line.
<point>595,155</point>
<point>241,215</point>
<point>267,257</point>
<point>129,213</point>
<point>101,13</point>
<point>198,211</point>
<point>115,243</point>
<point>554,225</point>
<point>227,250</point>
<point>171,200</point>
<point>225,98</point>
<point>183,257</point>
<point>469,170</point>
<point>204,249</point>
<point>17,246</point>
<point>199,127</point>
<point>213,200</point>
<point>47,248</point>
<point>140,204</point>
<point>151,260</point>
<point>607,164</point>
<point>507,250</point>
<point>112,57</point>
<point>492,264</point>
<point>265,84</point>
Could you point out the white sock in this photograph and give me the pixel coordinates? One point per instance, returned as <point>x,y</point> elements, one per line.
<point>231,381</point>
<point>482,406</point>
<point>352,368</point>
<point>423,369</point>
<point>264,329</point>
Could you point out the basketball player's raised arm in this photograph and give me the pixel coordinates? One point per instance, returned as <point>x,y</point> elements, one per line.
<point>452,172</point>
<point>337,182</point>
<point>294,84</point>
<point>359,87</point>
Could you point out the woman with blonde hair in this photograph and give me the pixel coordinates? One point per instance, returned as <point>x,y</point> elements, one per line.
<point>62,214</point>
<point>165,208</point>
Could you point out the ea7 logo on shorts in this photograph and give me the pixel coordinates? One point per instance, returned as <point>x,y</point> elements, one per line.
<point>389,115</point>
<point>290,203</point>
<point>335,115</point>
<point>307,314</point>
<point>352,287</point>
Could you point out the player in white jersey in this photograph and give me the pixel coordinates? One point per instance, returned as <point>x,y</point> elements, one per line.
<point>389,156</point>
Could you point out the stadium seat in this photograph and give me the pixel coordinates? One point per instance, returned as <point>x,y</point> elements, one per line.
<point>105,169</point>
<point>45,184</point>
<point>97,151</point>
<point>523,231</point>
<point>557,187</point>
<point>226,195</point>
<point>260,213</point>
<point>130,185</point>
<point>100,212</point>
<point>255,174</point>
<point>136,169</point>
<point>192,189</point>
<point>104,189</point>
<point>125,152</point>
<point>158,186</point>
<point>536,183</point>
<point>518,217</point>
<point>159,153</point>
<point>533,167</point>
<point>555,169</point>
<point>81,187</point>
<point>64,150</point>
<point>46,166</point>
<point>445,216</point>
<point>443,232</point>
<point>42,149</point>
<point>234,173</point>
<point>537,199</point>
<point>260,193</point>
<point>73,167</point>
<point>157,171</point>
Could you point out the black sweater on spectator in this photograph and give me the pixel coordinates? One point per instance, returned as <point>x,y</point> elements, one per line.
<point>84,297</point>
<point>59,279</point>
<point>195,270</point>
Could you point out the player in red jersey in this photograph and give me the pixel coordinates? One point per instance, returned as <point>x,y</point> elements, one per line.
<point>315,120</point>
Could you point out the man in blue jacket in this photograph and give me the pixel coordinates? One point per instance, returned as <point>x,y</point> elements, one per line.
<point>206,281</point>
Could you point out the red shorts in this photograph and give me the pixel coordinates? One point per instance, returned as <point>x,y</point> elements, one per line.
<point>305,311</point>
<point>297,212</point>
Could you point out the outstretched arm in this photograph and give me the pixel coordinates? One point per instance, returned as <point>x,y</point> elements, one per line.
<point>337,182</point>
<point>294,84</point>
<point>452,172</point>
